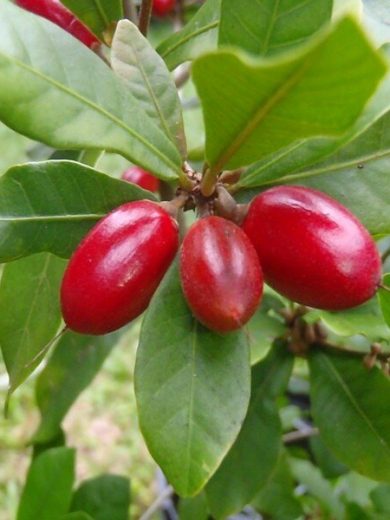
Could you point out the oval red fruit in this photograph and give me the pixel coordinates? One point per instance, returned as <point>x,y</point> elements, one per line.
<point>114,272</point>
<point>57,13</point>
<point>142,178</point>
<point>163,7</point>
<point>312,249</point>
<point>220,273</point>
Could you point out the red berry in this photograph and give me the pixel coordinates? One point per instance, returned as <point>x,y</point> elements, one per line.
<point>312,249</point>
<point>142,178</point>
<point>114,272</point>
<point>57,13</point>
<point>163,7</point>
<point>220,273</point>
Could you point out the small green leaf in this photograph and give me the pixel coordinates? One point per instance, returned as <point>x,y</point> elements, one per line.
<point>358,401</point>
<point>276,498</point>
<point>71,368</point>
<point>29,312</point>
<point>241,474</point>
<point>384,298</point>
<point>192,387</point>
<point>50,206</point>
<point>98,15</point>
<point>194,508</point>
<point>267,27</point>
<point>90,108</point>
<point>48,489</point>
<point>275,103</point>
<point>198,36</point>
<point>135,61</point>
<point>106,497</point>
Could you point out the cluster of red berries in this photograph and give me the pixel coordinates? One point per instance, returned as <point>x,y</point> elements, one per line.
<point>307,246</point>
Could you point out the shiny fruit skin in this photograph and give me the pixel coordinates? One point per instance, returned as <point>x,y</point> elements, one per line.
<point>163,7</point>
<point>220,274</point>
<point>312,249</point>
<point>57,13</point>
<point>142,178</point>
<point>114,272</point>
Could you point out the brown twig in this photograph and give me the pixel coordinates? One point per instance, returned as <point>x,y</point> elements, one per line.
<point>144,16</point>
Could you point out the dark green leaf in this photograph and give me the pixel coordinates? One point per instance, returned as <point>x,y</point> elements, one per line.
<point>357,401</point>
<point>50,206</point>
<point>98,15</point>
<point>328,464</point>
<point>55,441</point>
<point>72,367</point>
<point>53,89</point>
<point>192,387</point>
<point>241,473</point>
<point>106,497</point>
<point>48,490</point>
<point>29,312</point>
<point>267,27</point>
<point>135,61</point>
<point>277,498</point>
<point>198,36</point>
<point>194,508</point>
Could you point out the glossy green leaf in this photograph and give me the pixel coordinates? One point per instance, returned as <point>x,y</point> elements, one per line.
<point>135,61</point>
<point>29,312</point>
<point>50,206</point>
<point>192,388</point>
<point>199,35</point>
<point>267,27</point>
<point>276,498</point>
<point>275,103</point>
<point>193,508</point>
<point>252,458</point>
<point>89,107</point>
<point>73,365</point>
<point>48,490</point>
<point>98,15</point>
<point>104,497</point>
<point>358,401</point>
<point>384,298</point>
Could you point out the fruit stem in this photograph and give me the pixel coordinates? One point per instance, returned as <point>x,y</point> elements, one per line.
<point>384,287</point>
<point>208,183</point>
<point>144,16</point>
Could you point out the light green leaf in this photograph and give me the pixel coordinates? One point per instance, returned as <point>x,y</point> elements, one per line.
<point>48,490</point>
<point>106,497</point>
<point>358,401</point>
<point>192,387</point>
<point>267,27</point>
<point>134,60</point>
<point>194,508</point>
<point>29,312</point>
<point>55,90</point>
<point>50,206</point>
<point>276,498</point>
<point>98,15</point>
<point>275,103</point>
<point>73,365</point>
<point>380,497</point>
<point>384,298</point>
<point>198,36</point>
<point>241,473</point>
<point>13,148</point>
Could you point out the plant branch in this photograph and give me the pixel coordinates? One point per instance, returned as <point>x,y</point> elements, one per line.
<point>130,11</point>
<point>144,16</point>
<point>299,435</point>
<point>168,491</point>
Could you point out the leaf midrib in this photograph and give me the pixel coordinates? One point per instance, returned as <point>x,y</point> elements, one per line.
<point>53,218</point>
<point>188,37</point>
<point>92,105</point>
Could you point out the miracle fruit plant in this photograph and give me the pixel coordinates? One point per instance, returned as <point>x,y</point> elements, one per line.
<point>269,123</point>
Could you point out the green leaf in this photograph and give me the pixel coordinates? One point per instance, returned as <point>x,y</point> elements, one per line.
<point>194,508</point>
<point>71,368</point>
<point>241,475</point>
<point>90,108</point>
<point>98,15</point>
<point>267,27</point>
<point>380,497</point>
<point>50,206</point>
<point>358,401</point>
<point>135,61</point>
<point>48,490</point>
<point>78,515</point>
<point>104,497</point>
<point>328,464</point>
<point>310,476</point>
<point>198,36</point>
<point>29,312</point>
<point>13,148</point>
<point>384,298</point>
<point>276,498</point>
<point>275,103</point>
<point>192,388</point>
